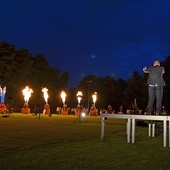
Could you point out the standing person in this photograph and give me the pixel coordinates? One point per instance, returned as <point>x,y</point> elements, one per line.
<point>155,86</point>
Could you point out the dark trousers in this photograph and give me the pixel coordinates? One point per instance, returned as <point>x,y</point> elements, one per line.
<point>155,92</point>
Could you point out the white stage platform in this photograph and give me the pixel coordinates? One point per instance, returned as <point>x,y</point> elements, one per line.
<point>130,127</point>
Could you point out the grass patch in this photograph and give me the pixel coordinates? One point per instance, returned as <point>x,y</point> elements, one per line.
<point>58,142</point>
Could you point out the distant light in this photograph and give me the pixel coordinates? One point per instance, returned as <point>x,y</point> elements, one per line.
<point>27,93</point>
<point>93,56</point>
<point>2,93</point>
<point>45,92</point>
<point>94,96</point>
<point>79,96</point>
<point>83,114</point>
<point>63,96</point>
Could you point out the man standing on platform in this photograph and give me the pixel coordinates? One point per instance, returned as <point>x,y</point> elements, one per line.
<point>155,86</point>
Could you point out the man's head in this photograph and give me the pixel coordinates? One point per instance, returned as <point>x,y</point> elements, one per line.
<point>156,63</point>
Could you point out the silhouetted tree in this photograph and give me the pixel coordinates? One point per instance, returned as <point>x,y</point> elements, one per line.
<point>133,89</point>
<point>119,92</point>
<point>19,69</point>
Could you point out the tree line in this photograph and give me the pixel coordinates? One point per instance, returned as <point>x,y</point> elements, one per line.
<point>19,68</point>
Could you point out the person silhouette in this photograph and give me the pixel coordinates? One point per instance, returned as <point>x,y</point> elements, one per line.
<point>155,84</point>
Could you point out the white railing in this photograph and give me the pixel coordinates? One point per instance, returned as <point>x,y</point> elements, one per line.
<point>130,127</point>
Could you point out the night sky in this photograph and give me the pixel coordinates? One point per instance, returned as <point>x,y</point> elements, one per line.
<point>82,37</point>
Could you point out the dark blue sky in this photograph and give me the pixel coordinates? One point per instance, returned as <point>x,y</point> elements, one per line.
<point>82,37</point>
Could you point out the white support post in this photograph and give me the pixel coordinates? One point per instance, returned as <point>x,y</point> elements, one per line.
<point>128,130</point>
<point>102,127</point>
<point>133,130</point>
<point>164,133</point>
<point>126,127</point>
<point>149,129</point>
<point>169,131</point>
<point>153,129</point>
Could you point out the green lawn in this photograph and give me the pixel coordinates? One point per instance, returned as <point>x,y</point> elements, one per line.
<point>58,142</point>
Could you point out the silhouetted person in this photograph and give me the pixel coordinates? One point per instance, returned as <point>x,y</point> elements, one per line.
<point>155,86</point>
<point>109,109</point>
<point>36,110</point>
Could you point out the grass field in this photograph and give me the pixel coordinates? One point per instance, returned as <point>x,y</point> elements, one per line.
<point>60,142</point>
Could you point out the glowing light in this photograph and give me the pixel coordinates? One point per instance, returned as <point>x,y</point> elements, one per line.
<point>93,56</point>
<point>94,96</point>
<point>79,96</point>
<point>2,93</point>
<point>27,93</point>
<point>63,96</point>
<point>83,114</point>
<point>46,96</point>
